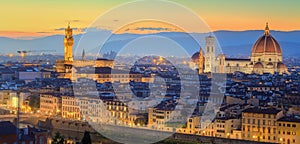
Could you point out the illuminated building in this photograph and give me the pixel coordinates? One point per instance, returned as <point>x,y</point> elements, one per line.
<point>266,57</point>
<point>260,124</point>
<point>64,67</point>
<point>201,62</point>
<point>192,126</point>
<point>106,74</point>
<point>50,104</point>
<point>68,44</point>
<point>70,108</point>
<point>164,119</point>
<point>101,68</point>
<point>12,99</point>
<point>288,130</point>
<point>222,127</point>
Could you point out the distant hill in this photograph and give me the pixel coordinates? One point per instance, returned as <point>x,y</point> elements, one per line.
<point>233,43</point>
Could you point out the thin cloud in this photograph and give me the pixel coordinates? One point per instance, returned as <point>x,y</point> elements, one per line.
<point>75,20</point>
<point>152,29</point>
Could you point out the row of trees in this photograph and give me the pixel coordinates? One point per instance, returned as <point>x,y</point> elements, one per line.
<point>59,139</point>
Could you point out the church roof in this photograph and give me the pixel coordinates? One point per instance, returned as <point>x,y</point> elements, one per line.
<point>266,44</point>
<point>280,65</point>
<point>258,65</point>
<point>237,59</point>
<point>195,56</point>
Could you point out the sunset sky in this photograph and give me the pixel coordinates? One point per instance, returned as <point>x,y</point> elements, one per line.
<point>35,18</point>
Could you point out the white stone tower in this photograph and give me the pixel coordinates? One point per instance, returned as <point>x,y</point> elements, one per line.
<point>210,54</point>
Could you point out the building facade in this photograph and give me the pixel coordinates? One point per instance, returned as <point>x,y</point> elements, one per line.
<point>70,108</point>
<point>260,124</point>
<point>50,104</point>
<point>266,57</point>
<point>288,130</point>
<point>64,67</point>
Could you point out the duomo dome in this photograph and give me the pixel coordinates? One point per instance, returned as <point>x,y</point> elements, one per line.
<point>266,44</point>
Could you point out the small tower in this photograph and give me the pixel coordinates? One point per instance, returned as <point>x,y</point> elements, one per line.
<point>201,62</point>
<point>210,55</point>
<point>83,55</point>
<point>68,44</point>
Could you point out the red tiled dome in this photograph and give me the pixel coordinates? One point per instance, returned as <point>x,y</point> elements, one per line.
<point>266,44</point>
<point>195,57</point>
<point>258,65</point>
<point>280,65</point>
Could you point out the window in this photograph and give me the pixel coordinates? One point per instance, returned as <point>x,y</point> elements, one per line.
<point>293,125</point>
<point>279,124</point>
<point>288,125</point>
<point>270,59</point>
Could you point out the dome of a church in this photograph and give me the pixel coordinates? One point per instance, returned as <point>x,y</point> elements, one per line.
<point>258,65</point>
<point>195,57</point>
<point>280,65</point>
<point>266,44</point>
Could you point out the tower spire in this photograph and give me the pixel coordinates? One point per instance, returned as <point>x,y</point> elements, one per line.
<point>83,55</point>
<point>267,30</point>
<point>201,62</point>
<point>68,44</point>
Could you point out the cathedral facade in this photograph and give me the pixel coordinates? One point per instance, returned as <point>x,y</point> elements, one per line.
<point>266,57</point>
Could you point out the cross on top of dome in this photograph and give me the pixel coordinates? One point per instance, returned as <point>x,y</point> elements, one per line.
<point>267,30</point>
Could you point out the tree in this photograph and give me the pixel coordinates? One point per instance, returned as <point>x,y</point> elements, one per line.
<point>34,101</point>
<point>58,139</point>
<point>86,138</point>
